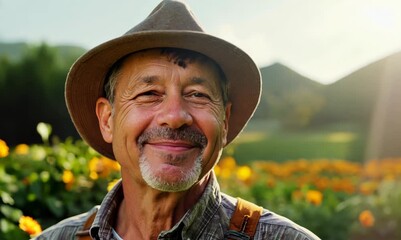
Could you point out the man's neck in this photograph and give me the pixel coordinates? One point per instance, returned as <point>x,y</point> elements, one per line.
<point>145,212</point>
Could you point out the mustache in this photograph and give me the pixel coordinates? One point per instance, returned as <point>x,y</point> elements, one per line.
<point>185,133</point>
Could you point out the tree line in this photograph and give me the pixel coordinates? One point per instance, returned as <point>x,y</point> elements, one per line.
<point>32,91</point>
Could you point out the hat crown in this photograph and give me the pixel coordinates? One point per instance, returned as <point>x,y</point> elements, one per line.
<point>168,15</point>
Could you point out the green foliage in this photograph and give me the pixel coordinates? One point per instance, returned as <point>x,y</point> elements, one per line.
<point>385,205</point>
<point>9,215</point>
<point>32,90</point>
<point>295,109</point>
<point>50,182</point>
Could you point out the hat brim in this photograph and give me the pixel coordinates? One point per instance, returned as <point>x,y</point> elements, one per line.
<point>85,80</point>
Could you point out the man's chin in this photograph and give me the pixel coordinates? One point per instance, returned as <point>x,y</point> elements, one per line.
<point>169,185</point>
<point>170,177</point>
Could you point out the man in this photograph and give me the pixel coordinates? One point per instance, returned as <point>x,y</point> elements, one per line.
<point>164,100</point>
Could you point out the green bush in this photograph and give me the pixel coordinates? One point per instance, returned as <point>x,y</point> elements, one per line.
<point>50,182</point>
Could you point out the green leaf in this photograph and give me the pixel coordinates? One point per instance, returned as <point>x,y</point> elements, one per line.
<point>11,213</point>
<point>55,206</point>
<point>6,198</point>
<point>10,231</point>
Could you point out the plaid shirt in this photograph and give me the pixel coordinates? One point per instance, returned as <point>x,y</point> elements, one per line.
<point>208,219</point>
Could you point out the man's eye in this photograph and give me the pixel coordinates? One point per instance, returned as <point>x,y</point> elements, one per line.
<point>199,95</point>
<point>146,95</point>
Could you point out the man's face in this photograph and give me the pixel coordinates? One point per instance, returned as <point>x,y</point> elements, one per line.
<point>168,124</point>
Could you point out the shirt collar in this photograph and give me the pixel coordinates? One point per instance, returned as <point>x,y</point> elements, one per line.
<point>197,218</point>
<point>102,225</point>
<point>192,224</point>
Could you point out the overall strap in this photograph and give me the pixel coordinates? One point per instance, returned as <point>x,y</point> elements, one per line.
<point>244,220</point>
<point>84,233</point>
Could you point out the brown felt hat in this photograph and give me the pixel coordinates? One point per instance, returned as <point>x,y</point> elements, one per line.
<point>170,24</point>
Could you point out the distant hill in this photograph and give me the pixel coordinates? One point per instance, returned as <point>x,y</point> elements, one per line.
<point>350,99</point>
<point>278,77</point>
<point>354,97</point>
<point>280,85</point>
<point>15,51</point>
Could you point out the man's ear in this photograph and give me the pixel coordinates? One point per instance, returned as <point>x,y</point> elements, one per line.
<point>226,120</point>
<point>104,115</point>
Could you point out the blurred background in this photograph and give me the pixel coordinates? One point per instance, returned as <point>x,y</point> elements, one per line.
<point>325,139</point>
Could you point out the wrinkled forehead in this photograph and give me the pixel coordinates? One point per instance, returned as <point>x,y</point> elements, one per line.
<point>180,57</point>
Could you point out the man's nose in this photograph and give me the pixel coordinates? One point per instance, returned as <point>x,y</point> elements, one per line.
<point>174,113</point>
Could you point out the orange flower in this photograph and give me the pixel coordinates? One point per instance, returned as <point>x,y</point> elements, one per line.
<point>22,149</point>
<point>271,182</point>
<point>367,188</point>
<point>29,225</point>
<point>296,195</point>
<point>314,197</point>
<point>102,167</point>
<point>3,149</point>
<point>366,218</point>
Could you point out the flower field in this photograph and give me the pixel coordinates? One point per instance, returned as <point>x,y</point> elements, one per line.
<point>337,199</point>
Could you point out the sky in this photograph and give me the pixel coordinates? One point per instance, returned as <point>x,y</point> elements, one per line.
<point>324,40</point>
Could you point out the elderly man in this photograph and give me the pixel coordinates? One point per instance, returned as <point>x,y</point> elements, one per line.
<point>164,100</point>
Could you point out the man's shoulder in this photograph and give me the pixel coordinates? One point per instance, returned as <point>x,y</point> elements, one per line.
<point>272,225</point>
<point>67,228</point>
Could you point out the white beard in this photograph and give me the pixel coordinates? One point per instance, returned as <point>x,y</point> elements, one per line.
<point>187,180</point>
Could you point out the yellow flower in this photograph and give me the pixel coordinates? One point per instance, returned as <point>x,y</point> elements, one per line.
<point>217,170</point>
<point>29,225</point>
<point>228,163</point>
<point>244,173</point>
<point>102,167</point>
<point>314,197</point>
<point>3,149</point>
<point>22,149</point>
<point>111,184</point>
<point>68,179</point>
<point>93,175</point>
<point>366,218</point>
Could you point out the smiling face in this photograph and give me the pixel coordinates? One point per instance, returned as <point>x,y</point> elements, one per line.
<point>168,122</point>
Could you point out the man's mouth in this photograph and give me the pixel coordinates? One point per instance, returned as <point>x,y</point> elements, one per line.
<point>177,140</point>
<point>175,146</point>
